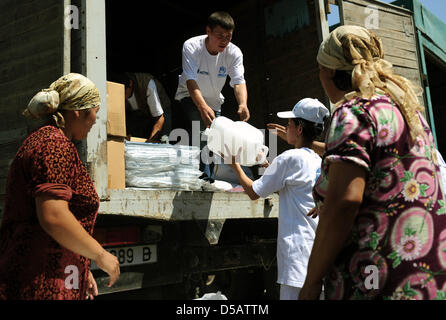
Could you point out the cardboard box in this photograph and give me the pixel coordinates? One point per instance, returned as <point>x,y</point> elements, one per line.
<point>116,163</point>
<point>115,109</point>
<point>135,139</point>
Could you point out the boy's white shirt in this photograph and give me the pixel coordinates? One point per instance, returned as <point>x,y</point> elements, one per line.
<point>293,174</point>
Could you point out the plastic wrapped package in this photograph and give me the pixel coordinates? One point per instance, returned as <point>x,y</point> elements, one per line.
<point>162,166</point>
<point>237,135</point>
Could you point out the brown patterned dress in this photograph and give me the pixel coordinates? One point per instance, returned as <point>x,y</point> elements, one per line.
<point>32,264</point>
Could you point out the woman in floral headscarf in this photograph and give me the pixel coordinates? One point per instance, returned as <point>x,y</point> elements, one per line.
<point>51,203</point>
<point>382,227</point>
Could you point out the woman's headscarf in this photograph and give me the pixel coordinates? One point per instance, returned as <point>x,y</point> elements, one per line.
<point>356,49</point>
<point>70,92</point>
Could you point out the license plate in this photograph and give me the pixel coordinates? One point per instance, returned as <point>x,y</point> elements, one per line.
<point>132,256</point>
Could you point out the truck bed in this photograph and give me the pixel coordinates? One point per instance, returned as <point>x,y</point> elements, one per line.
<point>171,205</point>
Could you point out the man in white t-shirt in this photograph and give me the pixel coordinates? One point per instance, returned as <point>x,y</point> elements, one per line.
<point>207,61</point>
<point>147,106</point>
<point>293,174</point>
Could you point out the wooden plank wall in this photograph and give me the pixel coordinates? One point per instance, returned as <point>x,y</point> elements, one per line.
<point>397,32</point>
<point>31,47</point>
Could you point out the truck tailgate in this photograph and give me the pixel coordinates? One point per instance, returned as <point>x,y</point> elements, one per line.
<point>187,205</point>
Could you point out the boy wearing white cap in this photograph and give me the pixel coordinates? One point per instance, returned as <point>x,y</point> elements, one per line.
<point>293,174</point>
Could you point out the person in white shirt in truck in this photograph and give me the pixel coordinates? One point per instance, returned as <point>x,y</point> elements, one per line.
<point>207,60</point>
<point>293,174</point>
<point>147,109</point>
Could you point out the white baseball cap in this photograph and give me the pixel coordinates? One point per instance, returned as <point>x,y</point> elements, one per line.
<point>309,109</point>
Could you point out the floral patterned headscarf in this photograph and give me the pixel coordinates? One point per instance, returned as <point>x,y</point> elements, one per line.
<point>70,92</point>
<point>356,49</point>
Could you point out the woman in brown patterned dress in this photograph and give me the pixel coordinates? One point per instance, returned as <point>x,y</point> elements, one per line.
<point>51,202</point>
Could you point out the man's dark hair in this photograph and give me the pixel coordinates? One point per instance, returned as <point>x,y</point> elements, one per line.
<point>310,130</point>
<point>222,19</point>
<point>119,77</point>
<point>343,80</point>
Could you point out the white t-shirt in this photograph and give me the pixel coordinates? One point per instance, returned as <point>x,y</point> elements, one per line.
<point>210,72</point>
<point>293,174</point>
<point>153,100</point>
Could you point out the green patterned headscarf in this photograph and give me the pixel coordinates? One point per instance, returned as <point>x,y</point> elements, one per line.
<point>70,92</point>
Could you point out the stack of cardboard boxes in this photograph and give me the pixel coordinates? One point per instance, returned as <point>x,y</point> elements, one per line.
<point>116,133</point>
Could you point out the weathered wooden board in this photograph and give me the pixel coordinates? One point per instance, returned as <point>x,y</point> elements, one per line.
<point>396,30</point>
<point>391,21</point>
<point>187,205</point>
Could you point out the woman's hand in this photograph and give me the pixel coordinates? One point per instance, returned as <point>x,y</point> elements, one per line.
<point>313,213</point>
<point>278,130</point>
<point>58,221</point>
<point>265,164</point>
<point>92,287</point>
<point>110,264</point>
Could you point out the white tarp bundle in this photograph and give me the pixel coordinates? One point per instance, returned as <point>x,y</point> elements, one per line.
<point>162,166</point>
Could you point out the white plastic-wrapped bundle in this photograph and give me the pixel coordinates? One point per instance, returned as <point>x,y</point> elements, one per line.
<point>158,166</point>
<point>237,135</point>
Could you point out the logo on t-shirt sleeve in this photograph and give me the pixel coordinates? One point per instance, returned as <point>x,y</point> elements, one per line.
<point>222,72</point>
